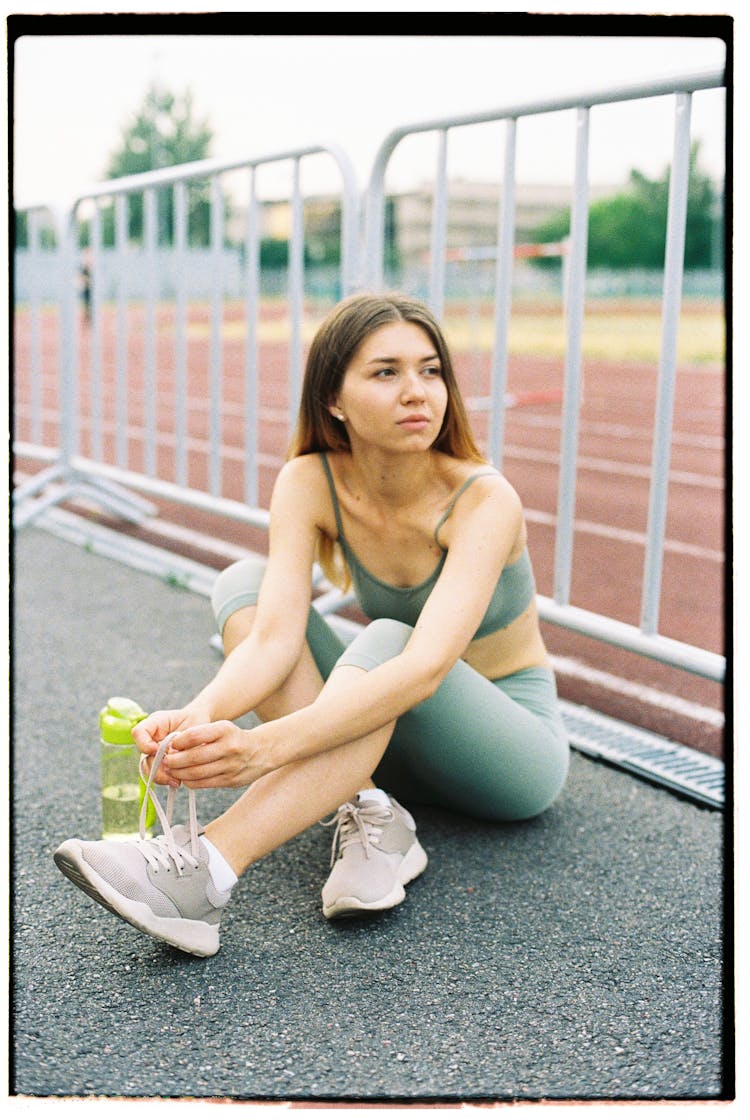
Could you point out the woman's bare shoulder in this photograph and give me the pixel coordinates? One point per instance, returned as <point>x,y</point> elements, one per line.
<point>301,468</point>
<point>301,485</point>
<point>460,471</point>
<point>483,494</point>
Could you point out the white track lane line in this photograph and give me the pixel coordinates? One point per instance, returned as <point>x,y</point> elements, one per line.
<point>696,440</point>
<point>627,536</point>
<point>614,467</point>
<point>569,666</point>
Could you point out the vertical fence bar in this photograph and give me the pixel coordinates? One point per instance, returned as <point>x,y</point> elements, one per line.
<point>372,262</point>
<point>349,239</point>
<point>35,327</point>
<point>67,226</point>
<point>180,330</point>
<point>95,328</point>
<point>671,299</point>
<point>121,353</point>
<point>215,426</point>
<point>574,302</point>
<point>503,295</point>
<point>438,244</point>
<point>296,295</point>
<point>252,312</point>
<point>149,386</point>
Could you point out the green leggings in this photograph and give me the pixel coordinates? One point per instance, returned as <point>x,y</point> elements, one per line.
<point>496,750</point>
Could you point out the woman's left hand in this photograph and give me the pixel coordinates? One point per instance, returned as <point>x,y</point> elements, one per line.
<point>217,755</point>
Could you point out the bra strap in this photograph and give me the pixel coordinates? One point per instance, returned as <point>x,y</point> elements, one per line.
<point>334,498</point>
<point>456,496</point>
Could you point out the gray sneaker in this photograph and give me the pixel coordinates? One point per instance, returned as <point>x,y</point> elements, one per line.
<point>375,852</point>
<point>161,886</point>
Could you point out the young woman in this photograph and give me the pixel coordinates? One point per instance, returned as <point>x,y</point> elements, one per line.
<point>446,698</point>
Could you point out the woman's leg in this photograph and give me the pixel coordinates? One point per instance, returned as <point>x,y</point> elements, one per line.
<point>289,800</point>
<point>480,748</point>
<point>495,750</point>
<point>234,598</point>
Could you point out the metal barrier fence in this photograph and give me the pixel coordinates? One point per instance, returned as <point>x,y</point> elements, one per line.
<point>558,609</point>
<point>113,485</point>
<point>363,266</point>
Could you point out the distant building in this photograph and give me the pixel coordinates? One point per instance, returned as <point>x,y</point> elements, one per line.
<point>473,214</point>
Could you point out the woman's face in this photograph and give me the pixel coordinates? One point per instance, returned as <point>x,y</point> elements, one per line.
<point>393,394</point>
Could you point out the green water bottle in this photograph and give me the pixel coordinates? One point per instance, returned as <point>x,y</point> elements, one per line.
<point>123,788</point>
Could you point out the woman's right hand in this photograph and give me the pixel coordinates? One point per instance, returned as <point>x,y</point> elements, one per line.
<point>151,731</point>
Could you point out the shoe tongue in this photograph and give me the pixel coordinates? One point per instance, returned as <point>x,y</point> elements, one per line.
<point>374,797</point>
<point>181,835</point>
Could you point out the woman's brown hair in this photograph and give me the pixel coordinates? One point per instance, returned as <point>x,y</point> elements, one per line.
<point>336,342</point>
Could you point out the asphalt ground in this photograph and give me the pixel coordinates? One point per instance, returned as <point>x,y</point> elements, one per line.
<point>577,956</point>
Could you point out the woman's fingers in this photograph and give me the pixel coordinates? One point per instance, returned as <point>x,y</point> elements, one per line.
<point>199,745</point>
<point>152,730</point>
<point>207,755</point>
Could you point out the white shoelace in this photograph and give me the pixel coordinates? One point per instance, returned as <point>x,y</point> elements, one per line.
<point>159,851</point>
<point>357,824</point>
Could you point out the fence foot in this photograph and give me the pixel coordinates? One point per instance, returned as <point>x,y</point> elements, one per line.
<point>38,483</point>
<point>68,484</point>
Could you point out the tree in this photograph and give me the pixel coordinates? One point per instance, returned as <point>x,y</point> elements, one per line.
<point>163,133</point>
<point>628,230</point>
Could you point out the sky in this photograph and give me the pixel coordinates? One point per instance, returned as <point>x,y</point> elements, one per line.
<point>74,94</point>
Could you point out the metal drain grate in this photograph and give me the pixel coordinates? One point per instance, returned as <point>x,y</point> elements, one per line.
<point>679,768</point>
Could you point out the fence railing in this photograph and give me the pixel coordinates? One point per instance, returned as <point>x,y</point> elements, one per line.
<point>362,265</point>
<point>558,609</point>
<point>116,193</point>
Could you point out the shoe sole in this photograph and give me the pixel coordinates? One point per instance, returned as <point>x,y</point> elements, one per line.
<point>412,865</point>
<point>198,938</point>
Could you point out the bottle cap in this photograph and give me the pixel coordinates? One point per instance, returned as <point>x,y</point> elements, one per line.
<point>118,718</point>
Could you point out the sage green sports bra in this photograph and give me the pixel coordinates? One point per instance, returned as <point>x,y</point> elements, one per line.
<point>513,592</point>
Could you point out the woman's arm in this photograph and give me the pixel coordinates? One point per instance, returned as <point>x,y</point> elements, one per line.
<point>257,667</point>
<point>484,529</point>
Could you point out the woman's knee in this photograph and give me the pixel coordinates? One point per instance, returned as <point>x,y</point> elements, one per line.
<point>522,788</point>
<point>379,642</point>
<point>237,586</point>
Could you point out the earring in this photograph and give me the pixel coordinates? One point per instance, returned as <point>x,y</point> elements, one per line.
<point>340,416</point>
